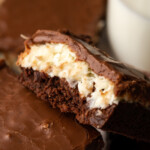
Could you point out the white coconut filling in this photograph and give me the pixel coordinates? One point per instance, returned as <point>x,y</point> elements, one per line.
<point>58,60</point>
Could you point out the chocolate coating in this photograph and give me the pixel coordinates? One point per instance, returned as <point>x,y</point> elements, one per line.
<point>23,17</point>
<point>28,123</point>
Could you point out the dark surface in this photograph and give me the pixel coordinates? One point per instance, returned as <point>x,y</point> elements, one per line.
<point>28,123</point>
<point>130,120</point>
<point>25,17</point>
<point>123,143</point>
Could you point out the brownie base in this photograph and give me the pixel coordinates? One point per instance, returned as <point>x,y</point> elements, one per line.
<point>127,119</point>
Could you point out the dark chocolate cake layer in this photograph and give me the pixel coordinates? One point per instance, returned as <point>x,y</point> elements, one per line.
<point>131,120</point>
<point>78,78</point>
<point>25,17</point>
<point>28,123</point>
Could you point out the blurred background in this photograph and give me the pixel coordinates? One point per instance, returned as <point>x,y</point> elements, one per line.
<point>128,28</point>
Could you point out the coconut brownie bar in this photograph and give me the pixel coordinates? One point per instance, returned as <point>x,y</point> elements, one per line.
<point>28,123</point>
<point>79,78</point>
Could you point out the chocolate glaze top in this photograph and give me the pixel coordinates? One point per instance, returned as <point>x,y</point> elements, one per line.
<point>100,62</point>
<point>28,123</point>
<point>25,17</point>
<point>126,79</point>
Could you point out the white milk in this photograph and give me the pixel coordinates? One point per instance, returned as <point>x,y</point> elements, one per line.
<point>140,6</point>
<point>128,26</point>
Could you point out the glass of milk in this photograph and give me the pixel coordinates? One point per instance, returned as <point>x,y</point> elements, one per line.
<point>128,27</point>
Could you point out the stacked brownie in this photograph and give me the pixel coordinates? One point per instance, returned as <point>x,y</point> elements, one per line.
<point>76,77</point>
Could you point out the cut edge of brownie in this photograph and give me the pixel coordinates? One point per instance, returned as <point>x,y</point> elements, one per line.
<point>131,120</point>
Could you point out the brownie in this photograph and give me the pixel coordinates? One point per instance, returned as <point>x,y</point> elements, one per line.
<point>79,78</point>
<point>30,124</point>
<point>25,17</point>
